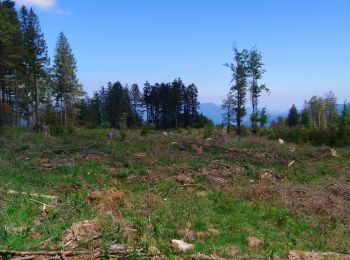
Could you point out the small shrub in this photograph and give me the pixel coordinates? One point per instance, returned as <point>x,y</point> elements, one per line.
<point>208,131</point>
<point>147,129</point>
<point>122,135</point>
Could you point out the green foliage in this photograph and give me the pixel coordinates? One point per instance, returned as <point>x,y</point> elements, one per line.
<point>293,116</point>
<point>208,131</point>
<point>147,129</point>
<point>239,70</point>
<point>200,121</point>
<point>122,135</point>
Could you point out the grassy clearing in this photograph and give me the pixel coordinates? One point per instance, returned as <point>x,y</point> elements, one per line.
<point>214,207</point>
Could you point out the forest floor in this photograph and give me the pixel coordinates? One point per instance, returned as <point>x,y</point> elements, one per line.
<point>78,196</point>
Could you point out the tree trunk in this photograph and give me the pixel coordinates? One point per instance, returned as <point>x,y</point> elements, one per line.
<point>16,100</point>
<point>65,110</point>
<point>27,104</point>
<point>2,83</point>
<point>36,107</point>
<point>61,101</point>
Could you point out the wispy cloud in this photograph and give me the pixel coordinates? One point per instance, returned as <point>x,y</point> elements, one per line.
<point>45,5</point>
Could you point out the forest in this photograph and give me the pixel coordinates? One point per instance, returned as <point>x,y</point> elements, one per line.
<point>35,93</point>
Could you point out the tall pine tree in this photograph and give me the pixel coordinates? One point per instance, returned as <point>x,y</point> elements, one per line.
<point>67,87</point>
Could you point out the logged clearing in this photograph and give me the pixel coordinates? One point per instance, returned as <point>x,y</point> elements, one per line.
<point>180,195</point>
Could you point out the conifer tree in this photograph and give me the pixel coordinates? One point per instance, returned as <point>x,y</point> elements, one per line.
<point>9,35</point>
<point>293,116</point>
<point>136,99</point>
<point>67,87</point>
<point>36,60</point>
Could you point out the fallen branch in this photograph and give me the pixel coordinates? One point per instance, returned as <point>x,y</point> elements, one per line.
<point>32,194</point>
<point>63,254</point>
<point>41,253</point>
<point>24,258</point>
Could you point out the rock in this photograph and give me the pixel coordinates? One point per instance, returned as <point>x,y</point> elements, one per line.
<point>154,250</point>
<point>181,245</point>
<point>304,255</point>
<point>280,141</point>
<point>183,179</point>
<point>165,133</point>
<point>254,242</point>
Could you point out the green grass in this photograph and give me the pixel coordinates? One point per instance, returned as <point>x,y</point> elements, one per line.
<point>161,208</point>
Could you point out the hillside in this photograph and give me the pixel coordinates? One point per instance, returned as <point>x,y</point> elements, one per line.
<point>226,197</point>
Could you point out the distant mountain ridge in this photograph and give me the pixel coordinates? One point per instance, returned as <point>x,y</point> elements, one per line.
<point>214,112</point>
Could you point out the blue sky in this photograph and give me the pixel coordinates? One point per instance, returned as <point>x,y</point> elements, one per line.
<point>305,43</point>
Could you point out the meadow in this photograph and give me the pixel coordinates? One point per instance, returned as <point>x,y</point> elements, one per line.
<point>229,197</point>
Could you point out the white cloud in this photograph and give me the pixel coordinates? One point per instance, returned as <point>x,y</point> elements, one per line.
<point>46,5</point>
<point>42,4</point>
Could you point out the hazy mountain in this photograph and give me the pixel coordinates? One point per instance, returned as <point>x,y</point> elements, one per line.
<point>214,112</point>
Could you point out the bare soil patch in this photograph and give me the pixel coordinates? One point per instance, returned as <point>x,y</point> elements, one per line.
<point>80,232</point>
<point>332,200</point>
<point>108,200</point>
<point>221,176</point>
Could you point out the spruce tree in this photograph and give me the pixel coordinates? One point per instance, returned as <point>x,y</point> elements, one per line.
<point>136,99</point>
<point>293,116</point>
<point>9,33</point>
<point>36,59</point>
<point>67,87</point>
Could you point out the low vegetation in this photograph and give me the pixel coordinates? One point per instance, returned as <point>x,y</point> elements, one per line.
<point>133,193</point>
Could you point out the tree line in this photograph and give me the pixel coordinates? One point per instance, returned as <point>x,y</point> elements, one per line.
<point>164,105</point>
<point>32,91</point>
<point>320,121</point>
